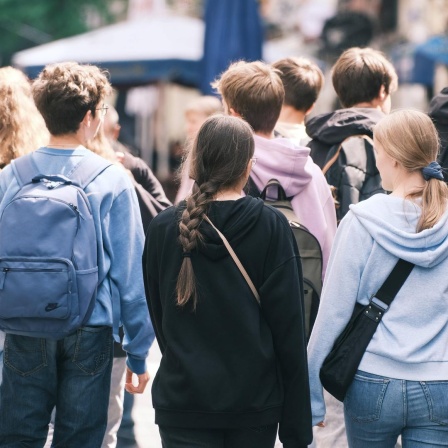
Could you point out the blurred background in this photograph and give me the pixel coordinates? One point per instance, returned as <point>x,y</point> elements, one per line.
<point>161,54</point>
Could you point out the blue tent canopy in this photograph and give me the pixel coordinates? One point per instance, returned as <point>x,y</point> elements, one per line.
<point>233,31</point>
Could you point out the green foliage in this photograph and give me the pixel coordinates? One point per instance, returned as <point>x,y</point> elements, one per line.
<point>26,23</point>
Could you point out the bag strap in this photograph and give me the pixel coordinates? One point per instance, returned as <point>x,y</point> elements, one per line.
<point>331,162</point>
<point>237,261</point>
<point>381,301</point>
<point>394,282</point>
<point>252,189</point>
<point>84,172</point>
<point>87,169</point>
<point>281,195</point>
<point>24,169</point>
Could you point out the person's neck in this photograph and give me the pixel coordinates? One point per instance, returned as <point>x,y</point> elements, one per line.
<point>227,195</point>
<point>290,115</point>
<point>407,185</point>
<point>67,141</point>
<point>368,105</point>
<point>268,135</point>
<point>230,194</point>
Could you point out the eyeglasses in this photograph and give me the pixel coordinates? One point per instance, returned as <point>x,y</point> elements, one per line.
<point>103,110</point>
<point>254,160</point>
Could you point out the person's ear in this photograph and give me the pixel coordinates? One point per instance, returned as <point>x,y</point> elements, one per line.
<point>233,113</point>
<point>116,131</point>
<point>87,120</point>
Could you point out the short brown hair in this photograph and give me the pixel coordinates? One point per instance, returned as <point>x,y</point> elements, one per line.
<point>65,92</point>
<point>359,73</point>
<point>302,80</point>
<point>255,91</point>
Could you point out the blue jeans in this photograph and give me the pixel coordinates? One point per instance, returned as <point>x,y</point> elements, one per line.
<point>260,437</point>
<point>2,343</point>
<point>72,374</point>
<point>378,409</point>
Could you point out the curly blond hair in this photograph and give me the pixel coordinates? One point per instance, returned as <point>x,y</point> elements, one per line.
<point>22,128</point>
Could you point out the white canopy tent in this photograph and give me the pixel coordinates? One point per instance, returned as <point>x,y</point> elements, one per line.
<point>140,51</point>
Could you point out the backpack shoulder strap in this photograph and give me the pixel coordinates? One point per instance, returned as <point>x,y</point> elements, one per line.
<point>24,169</point>
<point>88,169</point>
<point>335,156</point>
<point>251,188</point>
<point>281,195</point>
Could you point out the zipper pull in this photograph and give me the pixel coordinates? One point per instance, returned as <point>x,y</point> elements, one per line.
<point>3,277</point>
<point>76,209</point>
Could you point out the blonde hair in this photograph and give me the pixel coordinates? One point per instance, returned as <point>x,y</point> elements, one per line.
<point>253,90</point>
<point>410,137</point>
<point>22,128</point>
<point>100,145</point>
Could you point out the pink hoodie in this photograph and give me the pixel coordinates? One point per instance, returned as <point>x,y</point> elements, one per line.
<point>302,180</point>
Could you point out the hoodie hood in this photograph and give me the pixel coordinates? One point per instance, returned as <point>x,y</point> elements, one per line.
<point>281,159</point>
<point>438,111</point>
<point>235,219</point>
<point>336,126</point>
<point>392,221</point>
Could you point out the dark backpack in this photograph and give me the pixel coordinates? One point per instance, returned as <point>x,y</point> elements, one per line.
<point>351,172</point>
<point>48,251</point>
<point>309,249</point>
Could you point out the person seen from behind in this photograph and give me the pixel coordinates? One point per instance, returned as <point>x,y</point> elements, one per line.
<point>363,80</point>
<point>73,373</point>
<point>402,382</point>
<point>232,369</point>
<point>302,81</point>
<point>254,91</point>
<point>197,111</point>
<point>438,111</point>
<point>22,128</point>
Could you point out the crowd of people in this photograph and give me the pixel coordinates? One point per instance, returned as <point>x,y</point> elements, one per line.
<point>217,278</point>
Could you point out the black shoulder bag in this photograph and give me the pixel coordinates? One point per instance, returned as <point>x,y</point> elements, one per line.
<point>340,366</point>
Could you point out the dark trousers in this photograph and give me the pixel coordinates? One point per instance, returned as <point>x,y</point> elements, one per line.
<point>257,437</point>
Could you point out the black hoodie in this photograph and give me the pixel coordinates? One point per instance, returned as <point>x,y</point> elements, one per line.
<point>438,111</point>
<point>331,129</point>
<point>229,364</point>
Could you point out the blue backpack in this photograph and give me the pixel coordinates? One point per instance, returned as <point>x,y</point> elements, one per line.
<point>48,251</point>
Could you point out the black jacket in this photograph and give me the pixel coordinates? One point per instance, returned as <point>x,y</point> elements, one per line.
<point>355,174</point>
<point>151,197</point>
<point>228,364</point>
<point>331,129</point>
<point>438,111</point>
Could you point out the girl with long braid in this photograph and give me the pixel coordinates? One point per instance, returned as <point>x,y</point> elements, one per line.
<point>232,369</point>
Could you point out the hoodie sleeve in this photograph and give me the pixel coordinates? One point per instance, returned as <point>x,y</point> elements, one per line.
<point>348,258</point>
<point>282,305</point>
<point>151,281</point>
<point>329,212</point>
<point>123,236</point>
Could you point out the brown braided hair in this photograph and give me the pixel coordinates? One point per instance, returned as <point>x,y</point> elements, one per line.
<point>219,158</point>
